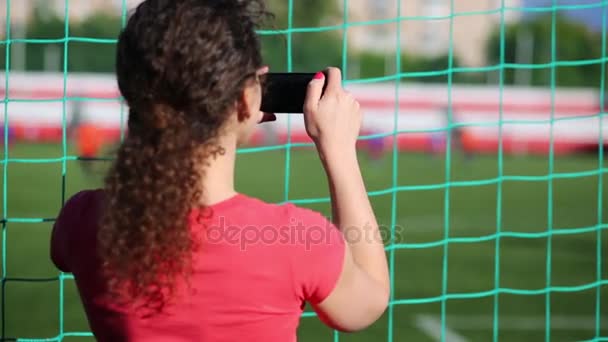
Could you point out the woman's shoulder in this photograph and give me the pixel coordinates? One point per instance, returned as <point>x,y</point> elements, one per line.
<point>81,203</point>
<point>70,231</point>
<point>84,197</point>
<point>289,208</point>
<point>250,210</point>
<point>301,211</point>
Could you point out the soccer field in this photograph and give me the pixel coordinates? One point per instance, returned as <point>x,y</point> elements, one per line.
<point>544,219</point>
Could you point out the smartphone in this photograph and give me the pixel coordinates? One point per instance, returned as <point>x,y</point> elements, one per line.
<point>285,92</point>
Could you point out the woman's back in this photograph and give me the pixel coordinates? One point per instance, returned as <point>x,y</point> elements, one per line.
<point>148,264</point>
<point>256,266</point>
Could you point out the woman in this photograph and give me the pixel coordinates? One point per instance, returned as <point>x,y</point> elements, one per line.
<point>169,250</point>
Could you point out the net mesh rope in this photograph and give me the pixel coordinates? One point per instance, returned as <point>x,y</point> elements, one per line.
<point>395,188</point>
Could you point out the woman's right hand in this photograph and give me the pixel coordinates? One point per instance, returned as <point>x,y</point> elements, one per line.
<point>332,119</point>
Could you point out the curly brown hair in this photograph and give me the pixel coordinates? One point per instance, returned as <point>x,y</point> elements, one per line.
<point>182,66</point>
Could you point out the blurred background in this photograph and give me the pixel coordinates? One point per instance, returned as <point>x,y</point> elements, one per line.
<point>482,149</point>
<point>466,64</point>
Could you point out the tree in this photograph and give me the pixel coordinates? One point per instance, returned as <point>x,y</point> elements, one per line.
<point>427,69</point>
<point>44,27</point>
<point>435,69</point>
<point>573,43</point>
<point>82,56</point>
<point>305,13</point>
<point>99,56</point>
<point>310,51</point>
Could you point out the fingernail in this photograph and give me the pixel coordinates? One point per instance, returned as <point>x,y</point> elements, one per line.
<point>319,76</point>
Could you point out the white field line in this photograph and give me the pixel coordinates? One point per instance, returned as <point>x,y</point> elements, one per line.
<point>432,327</point>
<point>523,323</point>
<point>517,323</point>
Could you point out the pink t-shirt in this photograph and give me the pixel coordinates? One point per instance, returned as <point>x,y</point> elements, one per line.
<point>257,267</point>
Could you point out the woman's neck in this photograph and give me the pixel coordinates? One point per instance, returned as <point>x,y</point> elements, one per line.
<point>218,177</point>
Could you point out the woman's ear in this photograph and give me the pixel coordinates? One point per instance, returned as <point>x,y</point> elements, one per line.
<point>250,100</point>
<point>243,106</point>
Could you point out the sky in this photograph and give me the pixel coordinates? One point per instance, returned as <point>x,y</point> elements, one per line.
<point>591,16</point>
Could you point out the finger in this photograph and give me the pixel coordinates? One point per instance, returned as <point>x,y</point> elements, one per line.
<point>263,70</point>
<point>313,94</point>
<point>268,117</point>
<point>348,95</point>
<point>334,80</point>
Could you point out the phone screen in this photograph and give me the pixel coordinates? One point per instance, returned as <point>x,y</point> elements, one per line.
<point>285,92</point>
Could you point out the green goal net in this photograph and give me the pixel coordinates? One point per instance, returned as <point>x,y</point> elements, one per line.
<point>483,153</point>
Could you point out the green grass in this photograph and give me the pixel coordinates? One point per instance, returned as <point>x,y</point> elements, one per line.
<point>33,190</point>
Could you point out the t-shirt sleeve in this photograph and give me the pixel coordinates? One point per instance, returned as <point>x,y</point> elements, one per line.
<point>319,254</point>
<point>64,228</point>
